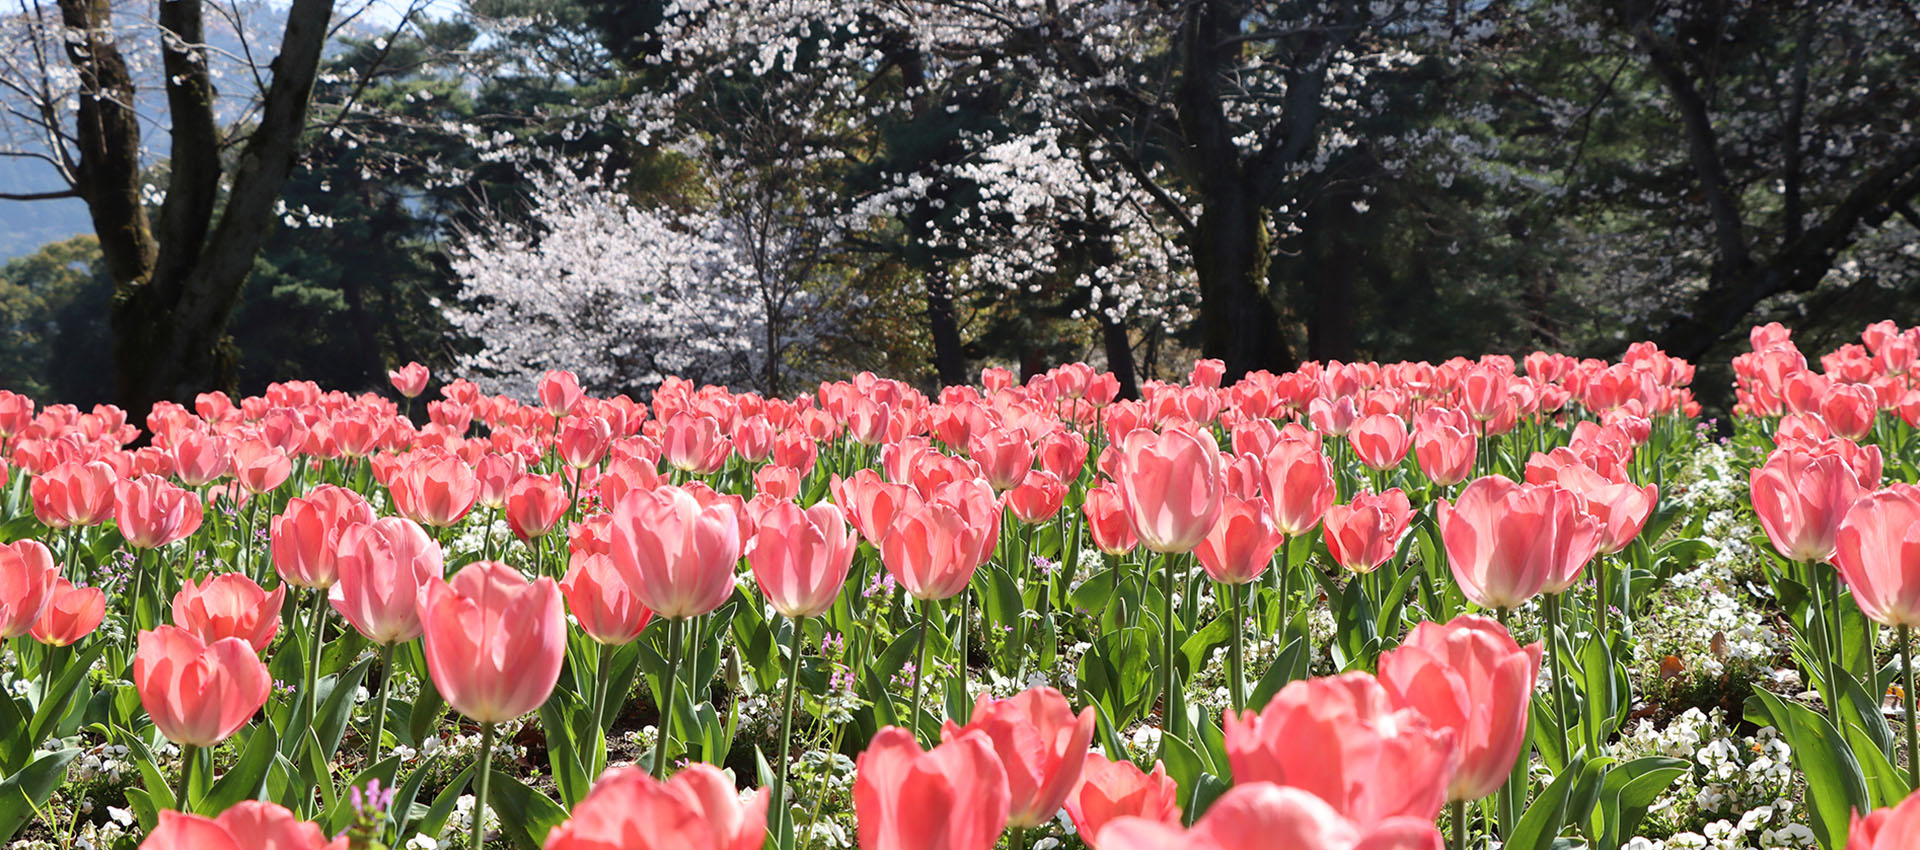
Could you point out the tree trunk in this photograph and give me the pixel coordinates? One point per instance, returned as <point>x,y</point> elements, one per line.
<point>949,362</point>
<point>1119,348</point>
<point>1239,323</point>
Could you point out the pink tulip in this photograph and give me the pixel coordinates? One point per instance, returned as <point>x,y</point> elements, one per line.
<point>1110,790</point>
<point>1241,544</point>
<point>259,466</point>
<point>1445,454</point>
<point>246,825</point>
<point>74,494</point>
<point>1508,542</point>
<point>229,605</point>
<point>1004,456</point>
<point>952,797</point>
<point>409,380</point>
<point>1173,482</point>
<point>583,441</point>
<point>873,503</point>
<point>801,557</point>
<point>536,505</point>
<point>1342,739</point>
<point>1299,486</point>
<point>1877,550</point>
<point>1042,745</point>
<point>494,642</point>
<point>382,568</point>
<point>605,600</point>
<point>559,392</point>
<point>931,551</point>
<point>1800,499</point>
<point>305,538</point>
<point>694,444</point>
<point>1849,410</point>
<point>1468,676</point>
<point>434,489</point>
<point>71,614</point>
<point>152,512</point>
<point>1038,497</point>
<point>1887,828</point>
<point>1107,522</point>
<point>1364,533</point>
<point>27,580</point>
<point>1621,507</point>
<point>1265,816</point>
<point>200,458</point>
<point>695,810</point>
<point>198,694</point>
<point>1380,441</point>
<point>684,553</point>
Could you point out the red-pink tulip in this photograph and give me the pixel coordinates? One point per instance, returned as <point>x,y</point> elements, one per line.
<point>1037,498</point>
<point>200,458</point>
<point>151,512</point>
<point>1849,409</point>
<point>1063,453</point>
<point>583,441</point>
<point>1380,441</point>
<point>683,552</point>
<point>409,380</point>
<point>1362,534</point>
<point>777,481</point>
<point>873,503</point>
<point>931,551</point>
<point>559,392</point>
<point>604,599</point>
<point>536,505</point>
<point>1004,456</point>
<point>1341,739</point>
<point>197,693</point>
<point>1173,482</point>
<point>1042,746</point>
<point>801,557</point>
<point>74,494</point>
<point>1877,550</point>
<point>1110,790</point>
<point>1507,542</point>
<point>1620,506</point>
<point>952,797</point>
<point>246,825</point>
<point>697,809</point>
<point>1265,816</point>
<point>1299,486</point>
<point>1468,676</point>
<point>1241,544</point>
<point>71,614</point>
<point>1800,499</point>
<point>382,568</point>
<point>694,444</point>
<point>434,489</point>
<point>27,580</point>
<point>260,466</point>
<point>229,605</point>
<point>493,641</point>
<point>1886,828</point>
<point>1445,453</point>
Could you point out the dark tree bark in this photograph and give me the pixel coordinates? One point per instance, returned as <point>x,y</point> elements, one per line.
<point>177,280</point>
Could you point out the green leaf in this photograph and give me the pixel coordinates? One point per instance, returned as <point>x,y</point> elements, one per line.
<point>337,708</point>
<point>526,815</point>
<point>1201,644</point>
<point>54,705</point>
<point>1289,666</point>
<point>434,821</point>
<point>23,792</point>
<point>569,774</point>
<point>14,747</point>
<point>1543,819</point>
<point>247,776</point>
<point>341,813</point>
<point>1835,786</point>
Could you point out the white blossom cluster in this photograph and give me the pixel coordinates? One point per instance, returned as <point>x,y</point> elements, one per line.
<point>1737,796</point>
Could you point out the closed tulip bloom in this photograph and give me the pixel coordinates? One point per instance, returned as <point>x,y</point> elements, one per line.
<point>1800,499</point>
<point>1445,453</point>
<point>151,512</point>
<point>382,568</point>
<point>952,797</point>
<point>683,552</point>
<point>198,694</point>
<point>1849,409</point>
<point>1333,416</point>
<point>72,613</point>
<point>800,557</point>
<point>74,494</point>
<point>1877,550</point>
<point>1038,497</point>
<point>1004,456</point>
<point>1110,790</point>
<point>1506,542</point>
<point>1886,828</point>
<point>200,458</point>
<point>246,825</point>
<point>872,502</point>
<point>777,482</point>
<point>1342,739</point>
<point>409,380</point>
<point>496,474</point>
<point>1063,453</point>
<point>931,551</point>
<point>1362,534</point>
<point>494,641</point>
<point>229,605</point>
<point>583,441</point>
<point>435,489</point>
<point>694,444</point>
<point>697,809</point>
<point>559,392</point>
<point>1173,482</point>
<point>27,581</point>
<point>1468,676</point>
<point>305,538</point>
<point>259,466</point>
<point>1621,507</point>
<point>1265,816</point>
<point>1299,486</point>
<point>1380,441</point>
<point>605,600</point>
<point>536,505</point>
<point>1107,522</point>
<point>1042,746</point>
<point>1241,544</point>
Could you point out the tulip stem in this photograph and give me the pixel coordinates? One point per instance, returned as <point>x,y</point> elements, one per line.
<point>1830,643</point>
<point>778,803</point>
<point>1017,838</point>
<point>602,676</point>
<point>1459,808</point>
<point>310,705</point>
<point>188,755</point>
<point>966,608</point>
<point>485,770</point>
<point>1166,625</point>
<point>1906,691</point>
<point>380,705</point>
<point>919,671</point>
<point>1560,699</point>
<point>1600,594</point>
<point>1236,671</point>
<point>666,708</point>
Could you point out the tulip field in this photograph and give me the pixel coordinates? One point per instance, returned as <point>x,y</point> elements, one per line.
<point>1481,603</point>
